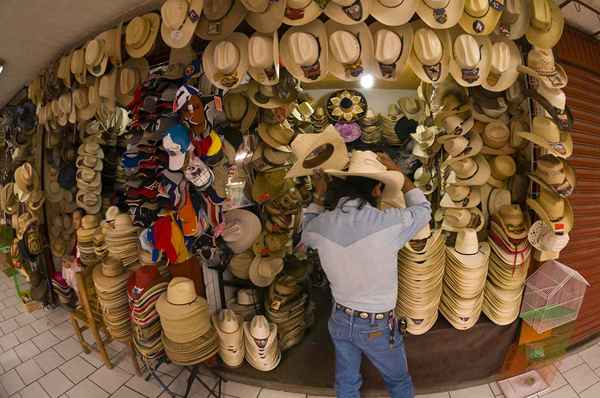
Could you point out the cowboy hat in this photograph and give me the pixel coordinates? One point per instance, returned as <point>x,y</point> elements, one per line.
<point>393,12</point>
<point>96,54</point>
<point>264,16</point>
<point>456,219</point>
<point>301,12</point>
<point>556,97</point>
<point>502,167</point>
<point>107,88</point>
<point>392,48</point>
<point>305,51</point>
<point>480,17</point>
<point>230,329</point>
<point>553,210</point>
<point>261,344</point>
<point>326,150</point>
<point>541,65</point>
<point>461,147</point>
<point>263,58</point>
<point>512,221</point>
<point>64,69</point>
<point>431,53</point>
<point>505,60</point>
<point>348,12</point>
<point>546,23</point>
<point>515,19</point>
<point>114,39</point>
<point>90,202</point>
<point>225,61</point>
<point>413,108</point>
<point>278,136</point>
<point>134,72</point>
<point>545,133</point>
<point>492,198</point>
<point>85,110</point>
<point>220,18</point>
<point>78,67</point>
<point>140,34</point>
<point>439,14</point>
<point>468,251</point>
<point>266,96</point>
<point>461,196</point>
<point>263,270</point>
<point>239,266</point>
<point>470,64</point>
<point>242,227</point>
<point>179,20</point>
<point>554,174</point>
<point>469,171</point>
<point>350,50</point>
<point>496,139</point>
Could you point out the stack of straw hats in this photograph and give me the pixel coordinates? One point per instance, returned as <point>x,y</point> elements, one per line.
<point>110,280</point>
<point>464,279</point>
<point>122,237</point>
<point>245,304</point>
<point>421,265</point>
<point>85,239</point>
<point>188,336</point>
<point>230,329</point>
<point>262,347</point>
<point>144,287</point>
<point>89,177</point>
<point>371,128</point>
<point>509,261</point>
<point>100,245</point>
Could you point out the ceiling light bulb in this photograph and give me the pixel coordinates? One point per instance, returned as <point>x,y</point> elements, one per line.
<point>367,81</point>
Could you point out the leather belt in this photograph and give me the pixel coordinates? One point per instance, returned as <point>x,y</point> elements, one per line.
<point>364,315</point>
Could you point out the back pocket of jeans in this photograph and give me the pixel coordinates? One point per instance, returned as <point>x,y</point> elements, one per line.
<point>376,340</point>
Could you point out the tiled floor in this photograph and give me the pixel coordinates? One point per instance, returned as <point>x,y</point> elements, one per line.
<point>41,358</point>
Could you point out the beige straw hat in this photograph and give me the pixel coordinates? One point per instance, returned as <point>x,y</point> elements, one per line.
<point>480,17</point>
<point>461,196</point>
<point>348,12</point>
<point>514,21</point>
<point>431,53</point>
<point>301,12</point>
<point>220,18</point>
<point>505,60</point>
<point>305,51</point>
<point>546,134</point>
<point>470,64</point>
<point>265,16</point>
<point>179,20</point>
<point>140,34</point>
<point>440,14</point>
<point>96,54</point>
<point>393,12</point>
<point>470,171</point>
<point>350,50</point>
<point>263,270</point>
<point>263,58</point>
<point>225,61</point>
<point>554,174</point>
<point>546,23</point>
<point>392,48</point>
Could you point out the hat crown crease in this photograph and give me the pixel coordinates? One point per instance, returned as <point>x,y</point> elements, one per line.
<point>304,48</point>
<point>388,47</point>
<point>174,13</point>
<point>467,51</point>
<point>226,57</point>
<point>345,47</point>
<point>477,8</point>
<point>427,47</point>
<point>137,32</point>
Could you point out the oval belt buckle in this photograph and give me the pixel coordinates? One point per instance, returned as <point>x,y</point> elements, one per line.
<point>379,316</point>
<point>364,315</point>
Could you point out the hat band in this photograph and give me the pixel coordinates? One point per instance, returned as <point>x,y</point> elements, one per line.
<point>472,174</point>
<point>433,72</point>
<point>227,79</point>
<point>294,13</point>
<point>470,75</point>
<point>354,70</point>
<point>354,11</point>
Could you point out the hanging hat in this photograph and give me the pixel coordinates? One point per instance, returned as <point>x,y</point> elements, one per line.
<point>78,67</point>
<point>242,227</point>
<point>301,12</point>
<point>305,51</point>
<point>469,171</point>
<point>134,72</point>
<point>90,202</point>
<point>140,34</point>
<point>545,133</point>
<point>541,65</point>
<point>542,237</point>
<point>107,88</point>
<point>554,174</point>
<point>504,63</point>
<point>470,64</point>
<point>512,220</point>
<point>348,12</point>
<point>431,53</point>
<point>480,17</point>
<point>496,139</point>
<point>457,219</point>
<point>263,270</point>
<point>225,61</point>
<point>350,50</point>
<point>265,16</point>
<point>502,167</point>
<point>179,20</point>
<point>553,210</point>
<point>546,23</point>
<point>488,106</point>
<point>462,147</point>
<point>393,12</point>
<point>263,58</point>
<point>220,18</point>
<point>26,181</point>
<point>461,196</point>
<point>439,14</point>
<point>326,150</point>
<point>96,54</point>
<point>85,110</point>
<point>114,39</point>
<point>230,329</point>
<point>555,97</point>
<point>278,136</point>
<point>515,19</point>
<point>392,48</point>
<point>239,266</point>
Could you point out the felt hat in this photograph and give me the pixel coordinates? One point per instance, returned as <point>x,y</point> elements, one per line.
<point>545,24</point>
<point>439,14</point>
<point>220,18</point>
<point>470,63</point>
<point>225,61</point>
<point>96,54</point>
<point>301,12</point>
<point>350,50</point>
<point>348,12</point>
<point>263,58</point>
<point>546,134</point>
<point>456,219</point>
<point>496,139</point>
<point>514,21</point>
<point>553,210</point>
<point>470,171</point>
<point>265,16</point>
<point>179,20</point>
<point>393,12</point>
<point>263,270</point>
<point>505,60</point>
<point>230,329</point>
<point>554,174</point>
<point>78,67</point>
<point>140,34</point>
<point>305,51</point>
<point>480,17</point>
<point>392,48</point>
<point>134,72</point>
<point>242,227</point>
<point>541,65</point>
<point>431,53</point>
<point>326,150</point>
<point>461,196</point>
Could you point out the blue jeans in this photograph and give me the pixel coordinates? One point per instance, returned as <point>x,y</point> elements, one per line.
<point>353,336</point>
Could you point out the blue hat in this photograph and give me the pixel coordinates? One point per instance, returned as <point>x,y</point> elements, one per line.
<point>180,135</point>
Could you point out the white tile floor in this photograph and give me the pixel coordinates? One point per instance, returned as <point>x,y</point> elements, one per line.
<point>41,358</point>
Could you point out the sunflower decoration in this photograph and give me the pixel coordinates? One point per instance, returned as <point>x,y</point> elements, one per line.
<point>346,106</point>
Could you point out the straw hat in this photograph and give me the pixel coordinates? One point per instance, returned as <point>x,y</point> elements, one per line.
<point>350,50</point>
<point>440,14</point>
<point>393,12</point>
<point>488,106</point>
<point>305,51</point>
<point>263,270</point>
<point>225,61</point>
<point>220,18</point>
<point>545,239</point>
<point>555,97</point>
<point>107,88</point>
<point>179,20</point>
<point>242,227</point>
<point>134,72</point>
<point>496,139</point>
<point>554,174</point>
<point>470,63</point>
<point>541,65</point>
<point>431,53</point>
<point>78,67</point>
<point>462,147</point>
<point>348,12</point>
<point>326,150</point>
<point>470,171</point>
<point>515,19</point>
<point>546,23</point>
<point>545,133</point>
<point>512,220</point>
<point>26,181</point>
<point>85,110</point>
<point>502,167</point>
<point>277,136</point>
<point>461,197</point>
<point>140,34</point>
<point>8,199</point>
<point>114,39</point>
<point>90,202</point>
<point>263,58</point>
<point>261,344</point>
<point>264,16</point>
<point>468,250</point>
<point>301,12</point>
<point>96,54</point>
<point>240,264</point>
<point>480,17</point>
<point>553,210</point>
<point>392,48</point>
<point>505,60</point>
<point>230,329</point>
<point>456,219</point>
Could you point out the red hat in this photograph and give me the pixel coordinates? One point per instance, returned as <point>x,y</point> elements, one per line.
<point>142,279</point>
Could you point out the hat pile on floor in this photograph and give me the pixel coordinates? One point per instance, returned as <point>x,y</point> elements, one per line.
<point>85,239</point>
<point>144,287</point>
<point>509,262</point>
<point>188,336</point>
<point>89,177</point>
<point>230,329</point>
<point>122,237</point>
<point>261,344</point>
<point>110,280</point>
<point>421,265</point>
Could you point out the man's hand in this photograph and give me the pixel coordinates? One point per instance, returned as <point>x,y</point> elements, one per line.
<point>320,182</point>
<point>387,161</point>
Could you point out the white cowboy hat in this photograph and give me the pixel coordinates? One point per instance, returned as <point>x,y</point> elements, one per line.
<point>301,12</point>
<point>350,50</point>
<point>392,48</point>
<point>470,171</point>
<point>461,147</point>
<point>468,250</point>
<point>555,96</point>
<point>225,61</point>
<point>263,58</point>
<point>470,64</point>
<point>545,24</point>
<point>515,19</point>
<point>140,34</point>
<point>431,53</point>
<point>305,51</point>
<point>461,196</point>
<point>179,20</point>
<point>230,329</point>
<point>220,18</point>
<point>504,64</point>
<point>393,12</point>
<point>265,16</point>
<point>545,133</point>
<point>242,227</point>
<point>480,17</point>
<point>348,12</point>
<point>440,14</point>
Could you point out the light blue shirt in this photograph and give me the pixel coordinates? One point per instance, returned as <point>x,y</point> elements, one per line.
<point>358,248</point>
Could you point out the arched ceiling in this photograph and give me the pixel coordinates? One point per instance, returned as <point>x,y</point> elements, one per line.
<point>33,33</point>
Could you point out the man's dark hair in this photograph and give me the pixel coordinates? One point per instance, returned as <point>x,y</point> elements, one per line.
<point>342,190</point>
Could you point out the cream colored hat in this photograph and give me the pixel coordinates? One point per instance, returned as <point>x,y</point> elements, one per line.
<point>504,63</point>
<point>265,16</point>
<point>134,72</point>
<point>461,196</point>
<point>242,228</point>
<point>546,23</point>
<point>350,50</point>
<point>547,135</point>
<point>64,69</point>
<point>220,18</point>
<point>470,171</point>
<point>96,54</point>
<point>554,174</point>
<point>541,65</point>
<point>140,34</point>
<point>78,67</point>
<point>263,58</point>
<point>502,167</point>
<point>179,20</point>
<point>515,19</point>
<point>348,12</point>
<point>468,250</point>
<point>462,147</point>
<point>305,51</point>
<point>553,210</point>
<point>440,14</point>
<point>480,17</point>
<point>85,110</point>
<point>107,88</point>
<point>458,219</point>
<point>496,139</point>
<point>263,270</point>
<point>393,12</point>
<point>431,53</point>
<point>470,64</point>
<point>555,96</point>
<point>301,12</point>
<point>114,41</point>
<point>225,61</point>
<point>392,48</point>
<point>230,330</point>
